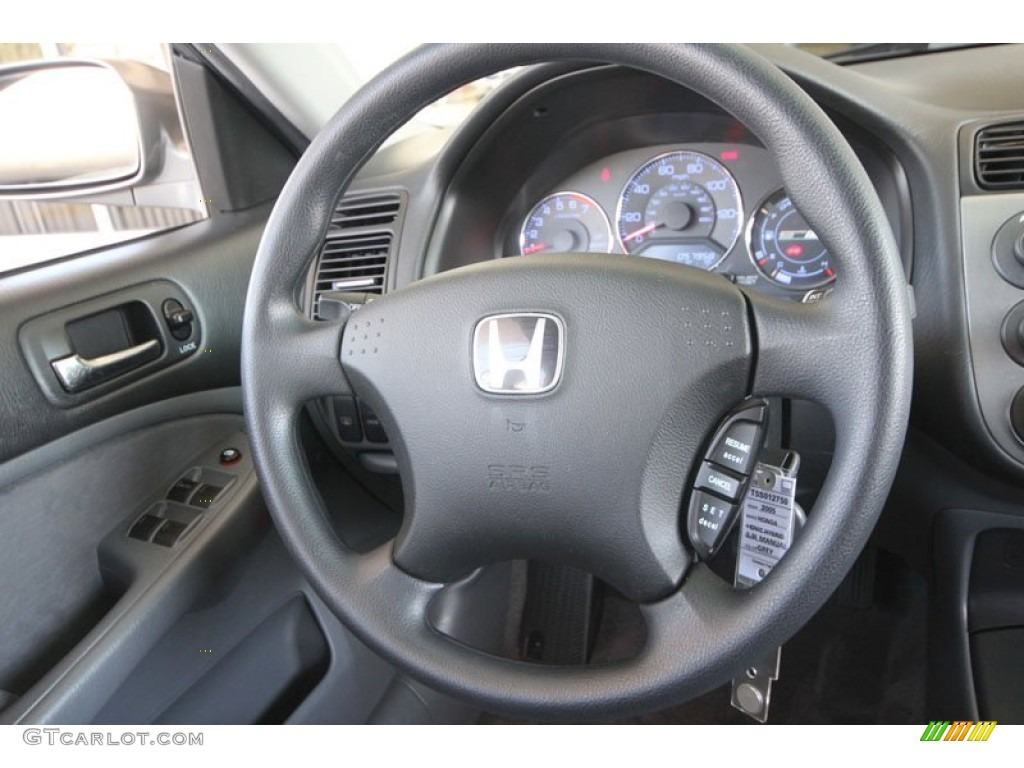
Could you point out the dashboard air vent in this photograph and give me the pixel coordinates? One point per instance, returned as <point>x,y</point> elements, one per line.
<point>354,263</point>
<point>999,156</point>
<point>371,211</point>
<point>354,257</point>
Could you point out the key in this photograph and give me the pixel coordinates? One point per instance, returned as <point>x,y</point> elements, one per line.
<point>769,521</point>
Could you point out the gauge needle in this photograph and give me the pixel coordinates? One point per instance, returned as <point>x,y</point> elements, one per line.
<point>536,248</point>
<point>641,232</point>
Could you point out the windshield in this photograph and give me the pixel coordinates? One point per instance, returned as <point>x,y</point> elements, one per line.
<point>847,53</point>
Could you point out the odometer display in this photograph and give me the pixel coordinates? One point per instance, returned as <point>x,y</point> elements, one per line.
<point>784,248</point>
<point>683,207</point>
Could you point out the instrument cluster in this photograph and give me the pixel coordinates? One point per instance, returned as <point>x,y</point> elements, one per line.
<point>712,205</point>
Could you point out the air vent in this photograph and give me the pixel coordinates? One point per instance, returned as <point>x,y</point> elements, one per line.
<point>372,211</point>
<point>999,156</point>
<point>354,263</point>
<point>354,257</point>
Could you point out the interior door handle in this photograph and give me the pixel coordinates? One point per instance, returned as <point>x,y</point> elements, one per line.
<point>76,373</point>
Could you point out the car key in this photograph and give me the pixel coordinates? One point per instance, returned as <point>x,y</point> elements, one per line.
<point>769,521</point>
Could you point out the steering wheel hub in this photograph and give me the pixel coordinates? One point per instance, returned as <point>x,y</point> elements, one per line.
<point>589,472</point>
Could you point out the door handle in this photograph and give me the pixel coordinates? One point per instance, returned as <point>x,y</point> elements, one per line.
<point>77,373</point>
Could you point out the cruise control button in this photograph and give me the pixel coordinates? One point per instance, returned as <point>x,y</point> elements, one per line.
<point>737,447</point>
<point>711,478</point>
<point>710,521</point>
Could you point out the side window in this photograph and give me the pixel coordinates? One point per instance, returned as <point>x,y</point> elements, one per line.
<point>92,149</point>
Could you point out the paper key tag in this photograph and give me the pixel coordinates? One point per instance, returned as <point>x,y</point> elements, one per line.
<point>766,525</point>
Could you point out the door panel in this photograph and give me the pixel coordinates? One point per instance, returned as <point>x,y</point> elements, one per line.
<point>106,628</point>
<point>99,625</point>
<point>78,468</point>
<point>209,260</point>
<point>52,524</point>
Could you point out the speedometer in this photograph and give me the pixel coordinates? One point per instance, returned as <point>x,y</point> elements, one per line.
<point>683,207</point>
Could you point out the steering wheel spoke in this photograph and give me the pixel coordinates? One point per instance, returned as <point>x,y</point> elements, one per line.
<point>804,351</point>
<point>827,352</point>
<point>306,359</point>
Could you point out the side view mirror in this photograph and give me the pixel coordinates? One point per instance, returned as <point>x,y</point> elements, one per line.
<point>77,128</point>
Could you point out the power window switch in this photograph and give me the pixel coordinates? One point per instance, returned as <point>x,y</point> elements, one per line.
<point>169,533</point>
<point>181,490</point>
<point>205,495</point>
<point>143,528</point>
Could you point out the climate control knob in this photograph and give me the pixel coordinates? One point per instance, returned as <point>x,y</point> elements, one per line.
<point>1008,250</point>
<point>1017,414</point>
<point>1012,333</point>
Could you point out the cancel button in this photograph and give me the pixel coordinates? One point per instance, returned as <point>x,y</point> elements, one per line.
<point>720,482</point>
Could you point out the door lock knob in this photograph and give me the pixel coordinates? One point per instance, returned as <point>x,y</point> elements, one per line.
<point>178,318</point>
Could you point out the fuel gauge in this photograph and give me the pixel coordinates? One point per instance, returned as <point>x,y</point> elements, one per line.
<point>785,249</point>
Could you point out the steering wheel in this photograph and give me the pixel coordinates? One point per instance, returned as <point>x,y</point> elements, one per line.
<point>649,356</point>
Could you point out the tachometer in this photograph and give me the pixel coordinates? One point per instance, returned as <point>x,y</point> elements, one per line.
<point>785,249</point>
<point>683,207</point>
<point>566,222</point>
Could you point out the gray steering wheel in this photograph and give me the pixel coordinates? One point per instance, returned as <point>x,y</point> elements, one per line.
<point>653,355</point>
